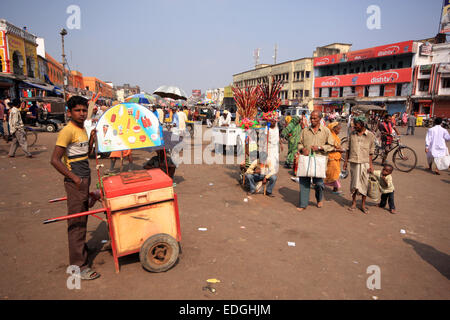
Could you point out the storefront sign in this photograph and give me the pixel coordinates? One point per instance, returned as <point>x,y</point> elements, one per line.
<point>376,52</point>
<point>425,49</point>
<point>379,77</point>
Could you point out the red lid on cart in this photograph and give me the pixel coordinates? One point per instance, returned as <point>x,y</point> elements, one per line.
<point>134,182</point>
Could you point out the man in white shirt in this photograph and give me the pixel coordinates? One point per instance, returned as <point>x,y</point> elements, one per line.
<point>264,172</point>
<point>182,118</point>
<point>435,140</point>
<point>225,119</point>
<point>17,129</point>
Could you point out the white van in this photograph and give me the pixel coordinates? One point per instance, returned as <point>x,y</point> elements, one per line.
<point>297,111</point>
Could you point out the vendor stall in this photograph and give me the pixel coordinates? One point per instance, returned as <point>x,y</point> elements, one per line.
<point>141,206</point>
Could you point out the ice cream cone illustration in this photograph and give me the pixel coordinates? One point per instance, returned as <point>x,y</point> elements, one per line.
<point>105,129</point>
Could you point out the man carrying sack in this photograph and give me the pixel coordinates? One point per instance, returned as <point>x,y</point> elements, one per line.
<point>315,143</point>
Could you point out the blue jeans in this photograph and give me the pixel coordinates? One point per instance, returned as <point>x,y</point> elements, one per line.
<point>305,186</point>
<point>254,178</point>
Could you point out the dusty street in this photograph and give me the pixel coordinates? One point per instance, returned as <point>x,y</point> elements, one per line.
<point>246,243</point>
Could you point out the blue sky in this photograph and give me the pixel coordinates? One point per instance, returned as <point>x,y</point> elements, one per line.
<point>200,44</point>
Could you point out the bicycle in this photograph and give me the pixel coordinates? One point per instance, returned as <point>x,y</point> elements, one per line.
<point>404,158</point>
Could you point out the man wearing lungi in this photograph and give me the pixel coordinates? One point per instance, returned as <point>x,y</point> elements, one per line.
<point>361,148</point>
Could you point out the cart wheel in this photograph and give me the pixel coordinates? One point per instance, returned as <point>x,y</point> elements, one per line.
<point>159,252</point>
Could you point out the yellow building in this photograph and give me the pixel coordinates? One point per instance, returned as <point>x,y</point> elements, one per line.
<point>297,76</point>
<point>17,51</point>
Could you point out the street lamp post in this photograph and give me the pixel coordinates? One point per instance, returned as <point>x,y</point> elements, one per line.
<point>63,33</point>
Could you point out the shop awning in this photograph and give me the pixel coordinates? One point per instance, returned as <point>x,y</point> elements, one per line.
<point>39,86</point>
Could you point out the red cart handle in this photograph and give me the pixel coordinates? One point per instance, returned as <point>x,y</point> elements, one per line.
<point>76,215</point>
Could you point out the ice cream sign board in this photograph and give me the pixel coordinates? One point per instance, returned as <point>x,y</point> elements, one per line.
<point>128,126</point>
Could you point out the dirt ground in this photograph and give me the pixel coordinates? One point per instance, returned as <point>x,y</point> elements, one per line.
<point>246,243</point>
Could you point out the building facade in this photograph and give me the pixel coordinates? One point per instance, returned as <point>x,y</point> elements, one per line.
<point>431,82</point>
<point>17,51</point>
<point>125,91</point>
<point>296,76</point>
<point>96,85</point>
<point>379,75</point>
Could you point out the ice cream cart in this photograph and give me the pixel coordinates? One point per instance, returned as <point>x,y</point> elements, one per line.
<point>141,206</point>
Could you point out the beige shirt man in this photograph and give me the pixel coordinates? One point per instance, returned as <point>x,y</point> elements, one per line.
<point>322,138</point>
<point>361,146</point>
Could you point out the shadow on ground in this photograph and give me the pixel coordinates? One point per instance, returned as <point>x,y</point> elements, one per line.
<point>439,260</point>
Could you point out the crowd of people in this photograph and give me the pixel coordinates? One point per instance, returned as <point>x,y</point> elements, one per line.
<point>318,134</point>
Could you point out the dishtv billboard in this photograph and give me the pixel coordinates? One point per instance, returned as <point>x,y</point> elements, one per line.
<point>364,54</point>
<point>372,78</point>
<point>196,93</point>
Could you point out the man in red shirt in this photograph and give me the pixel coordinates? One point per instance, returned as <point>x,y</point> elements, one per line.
<point>387,128</point>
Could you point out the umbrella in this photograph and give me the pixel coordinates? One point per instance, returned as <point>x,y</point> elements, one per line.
<point>171,92</point>
<point>141,98</point>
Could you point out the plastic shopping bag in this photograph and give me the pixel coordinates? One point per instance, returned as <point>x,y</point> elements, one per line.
<point>313,165</point>
<point>374,190</point>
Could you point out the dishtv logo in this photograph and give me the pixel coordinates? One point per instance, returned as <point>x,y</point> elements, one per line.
<point>389,51</point>
<point>391,76</point>
<point>330,82</point>
<point>323,61</point>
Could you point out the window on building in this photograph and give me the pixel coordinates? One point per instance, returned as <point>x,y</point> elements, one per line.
<point>320,92</point>
<point>400,64</point>
<point>307,75</point>
<point>353,89</point>
<point>366,91</point>
<point>398,91</point>
<point>357,70</point>
<point>306,93</point>
<point>425,72</point>
<point>382,90</point>
<point>424,84</point>
<point>344,71</point>
<point>329,92</point>
<point>341,91</point>
<point>445,82</point>
<point>383,66</point>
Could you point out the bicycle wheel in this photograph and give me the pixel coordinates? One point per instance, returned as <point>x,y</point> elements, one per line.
<point>377,153</point>
<point>405,159</point>
<point>31,138</point>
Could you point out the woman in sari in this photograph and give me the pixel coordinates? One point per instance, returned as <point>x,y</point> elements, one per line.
<point>334,160</point>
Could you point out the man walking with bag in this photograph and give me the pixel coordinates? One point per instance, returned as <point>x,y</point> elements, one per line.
<point>361,147</point>
<point>317,139</point>
<point>435,146</point>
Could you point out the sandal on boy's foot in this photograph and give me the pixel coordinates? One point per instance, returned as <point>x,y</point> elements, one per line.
<point>89,274</point>
<point>365,210</point>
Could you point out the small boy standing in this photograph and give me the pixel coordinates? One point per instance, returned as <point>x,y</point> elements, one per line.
<point>74,147</point>
<point>386,186</point>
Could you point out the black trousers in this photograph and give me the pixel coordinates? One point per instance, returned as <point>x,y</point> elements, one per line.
<point>387,197</point>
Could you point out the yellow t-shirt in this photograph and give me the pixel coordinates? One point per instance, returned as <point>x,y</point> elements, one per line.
<point>76,142</point>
